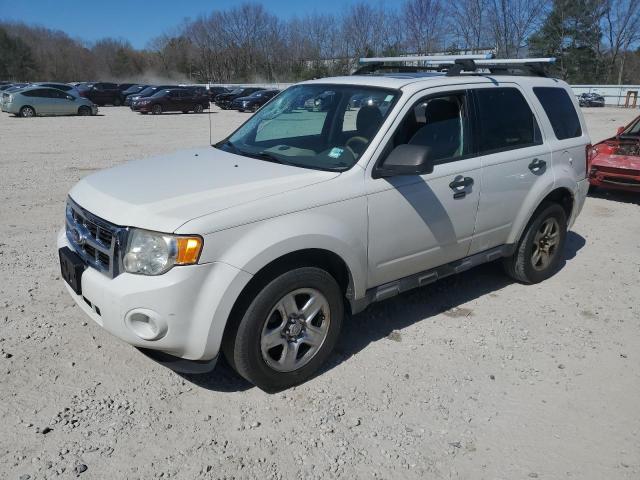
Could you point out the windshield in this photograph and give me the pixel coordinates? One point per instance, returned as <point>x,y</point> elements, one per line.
<point>160,93</point>
<point>134,89</point>
<point>314,126</point>
<point>632,130</point>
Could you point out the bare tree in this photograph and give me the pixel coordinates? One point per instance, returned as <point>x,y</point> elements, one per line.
<point>425,25</point>
<point>469,21</point>
<point>621,27</point>
<point>511,22</point>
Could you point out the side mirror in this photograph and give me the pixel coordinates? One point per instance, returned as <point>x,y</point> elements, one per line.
<point>69,97</point>
<point>620,130</point>
<point>407,160</point>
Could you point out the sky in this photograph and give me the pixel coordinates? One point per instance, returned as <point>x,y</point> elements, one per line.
<point>136,20</point>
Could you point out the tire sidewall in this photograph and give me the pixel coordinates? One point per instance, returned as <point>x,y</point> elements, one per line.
<point>156,109</point>
<point>557,212</point>
<point>247,355</point>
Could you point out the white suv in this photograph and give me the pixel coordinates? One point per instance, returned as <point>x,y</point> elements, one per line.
<point>259,246</point>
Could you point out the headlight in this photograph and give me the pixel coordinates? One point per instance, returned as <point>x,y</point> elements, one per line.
<point>153,253</point>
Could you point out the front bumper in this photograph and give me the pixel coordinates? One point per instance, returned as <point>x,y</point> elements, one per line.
<point>617,179</point>
<point>190,304</point>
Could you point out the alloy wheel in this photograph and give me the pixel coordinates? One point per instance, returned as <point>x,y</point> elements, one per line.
<point>295,329</point>
<point>545,243</point>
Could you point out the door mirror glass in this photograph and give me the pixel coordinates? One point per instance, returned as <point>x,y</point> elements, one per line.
<point>407,160</point>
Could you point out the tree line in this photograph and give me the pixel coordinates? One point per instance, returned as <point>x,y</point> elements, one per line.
<point>595,41</point>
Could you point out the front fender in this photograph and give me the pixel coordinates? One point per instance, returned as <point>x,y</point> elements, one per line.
<point>340,228</point>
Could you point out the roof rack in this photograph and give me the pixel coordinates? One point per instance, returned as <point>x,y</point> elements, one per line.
<point>457,65</point>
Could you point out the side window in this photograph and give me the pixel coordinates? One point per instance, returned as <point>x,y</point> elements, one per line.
<point>49,93</point>
<point>440,123</point>
<point>560,110</point>
<point>505,121</point>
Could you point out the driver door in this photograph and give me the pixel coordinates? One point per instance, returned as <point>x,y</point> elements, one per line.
<point>418,222</point>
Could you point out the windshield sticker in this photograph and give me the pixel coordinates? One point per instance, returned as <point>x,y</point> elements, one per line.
<point>388,98</point>
<point>336,152</point>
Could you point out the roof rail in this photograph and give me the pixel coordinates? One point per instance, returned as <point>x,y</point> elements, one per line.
<point>425,58</point>
<point>457,65</point>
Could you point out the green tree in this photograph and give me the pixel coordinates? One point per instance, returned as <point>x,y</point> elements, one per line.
<point>572,34</point>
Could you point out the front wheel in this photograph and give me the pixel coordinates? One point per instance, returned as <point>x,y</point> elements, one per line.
<point>539,251</point>
<point>288,330</point>
<point>84,111</point>
<point>156,109</point>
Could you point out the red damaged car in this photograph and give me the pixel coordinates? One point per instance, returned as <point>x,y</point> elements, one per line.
<point>615,162</point>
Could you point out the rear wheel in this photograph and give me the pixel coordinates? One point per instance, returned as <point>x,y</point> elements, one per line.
<point>540,249</point>
<point>288,330</point>
<point>27,112</point>
<point>117,102</point>
<point>156,109</point>
<point>84,111</point>
<point>198,108</point>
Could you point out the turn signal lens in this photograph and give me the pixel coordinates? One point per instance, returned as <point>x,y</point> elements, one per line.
<point>189,249</point>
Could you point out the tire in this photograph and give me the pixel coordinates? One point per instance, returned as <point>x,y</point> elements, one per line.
<point>84,111</point>
<point>117,102</point>
<point>545,232</point>
<point>27,112</point>
<point>156,109</point>
<point>198,108</point>
<point>143,113</point>
<point>185,111</point>
<point>273,325</point>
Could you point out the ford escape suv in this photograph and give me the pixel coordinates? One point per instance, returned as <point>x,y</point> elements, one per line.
<point>259,246</point>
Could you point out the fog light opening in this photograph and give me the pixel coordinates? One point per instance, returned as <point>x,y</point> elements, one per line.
<point>146,325</point>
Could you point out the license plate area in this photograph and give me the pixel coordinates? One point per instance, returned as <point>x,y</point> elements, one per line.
<point>71,268</point>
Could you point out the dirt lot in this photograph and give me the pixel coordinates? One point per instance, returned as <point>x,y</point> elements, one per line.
<point>473,377</point>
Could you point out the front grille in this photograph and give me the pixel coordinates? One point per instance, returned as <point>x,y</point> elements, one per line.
<point>97,241</point>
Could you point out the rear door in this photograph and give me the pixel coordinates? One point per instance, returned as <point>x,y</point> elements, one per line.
<point>513,155</point>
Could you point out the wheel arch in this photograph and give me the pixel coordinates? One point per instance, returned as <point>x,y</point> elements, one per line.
<point>308,257</point>
<point>561,195</point>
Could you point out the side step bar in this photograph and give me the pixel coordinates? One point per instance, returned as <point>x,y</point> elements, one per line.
<point>421,279</point>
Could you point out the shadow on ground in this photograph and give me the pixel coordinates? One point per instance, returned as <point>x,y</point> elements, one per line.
<point>381,319</point>
<point>616,195</point>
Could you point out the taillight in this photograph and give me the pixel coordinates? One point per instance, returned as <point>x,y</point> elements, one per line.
<point>590,152</point>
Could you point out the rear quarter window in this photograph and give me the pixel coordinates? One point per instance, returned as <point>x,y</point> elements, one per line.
<point>561,112</point>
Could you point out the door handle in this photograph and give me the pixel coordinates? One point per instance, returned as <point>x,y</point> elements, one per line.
<point>537,165</point>
<point>460,185</point>
<point>461,182</point>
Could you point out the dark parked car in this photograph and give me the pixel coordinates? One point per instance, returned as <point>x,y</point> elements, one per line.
<point>146,92</point>
<point>224,100</point>
<point>215,91</point>
<point>172,100</point>
<point>132,90</point>
<point>254,101</point>
<point>101,93</point>
<point>591,100</point>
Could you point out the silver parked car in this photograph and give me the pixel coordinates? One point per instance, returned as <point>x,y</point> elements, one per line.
<point>36,101</point>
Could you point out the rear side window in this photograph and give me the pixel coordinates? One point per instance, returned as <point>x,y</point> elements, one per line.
<point>505,121</point>
<point>560,110</point>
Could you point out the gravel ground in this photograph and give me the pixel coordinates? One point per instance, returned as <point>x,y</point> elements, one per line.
<point>473,377</point>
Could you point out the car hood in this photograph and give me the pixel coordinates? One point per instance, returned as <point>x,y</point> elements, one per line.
<point>162,193</point>
<point>618,153</point>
